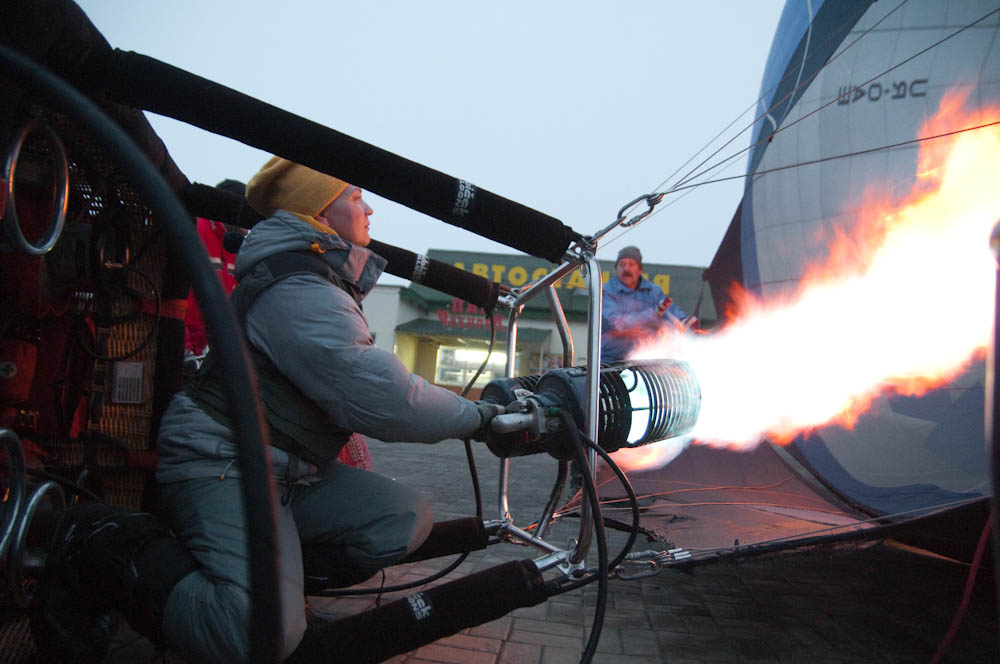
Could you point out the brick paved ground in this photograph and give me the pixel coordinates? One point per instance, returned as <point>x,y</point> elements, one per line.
<point>843,605</point>
<point>840,604</point>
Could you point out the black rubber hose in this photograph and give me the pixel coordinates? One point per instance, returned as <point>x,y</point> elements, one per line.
<point>632,501</point>
<point>16,490</point>
<point>559,587</point>
<point>182,240</point>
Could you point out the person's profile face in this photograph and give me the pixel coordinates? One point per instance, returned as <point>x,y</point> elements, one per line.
<point>628,272</point>
<point>348,216</point>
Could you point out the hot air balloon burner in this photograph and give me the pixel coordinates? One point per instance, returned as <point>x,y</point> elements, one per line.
<point>640,402</point>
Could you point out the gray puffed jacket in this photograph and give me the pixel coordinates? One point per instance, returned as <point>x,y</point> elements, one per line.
<point>317,336</point>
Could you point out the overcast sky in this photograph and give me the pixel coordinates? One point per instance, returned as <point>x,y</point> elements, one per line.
<point>572,108</point>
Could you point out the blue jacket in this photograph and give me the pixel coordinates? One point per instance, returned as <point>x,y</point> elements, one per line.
<point>623,308</point>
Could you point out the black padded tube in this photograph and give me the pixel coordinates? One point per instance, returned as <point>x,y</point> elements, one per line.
<point>424,617</point>
<point>210,202</point>
<point>438,275</point>
<point>450,537</point>
<point>141,81</point>
<point>229,208</point>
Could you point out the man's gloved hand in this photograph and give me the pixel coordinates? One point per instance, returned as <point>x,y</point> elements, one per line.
<point>487,411</point>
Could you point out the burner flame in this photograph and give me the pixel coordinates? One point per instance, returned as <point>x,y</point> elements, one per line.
<point>902,305</point>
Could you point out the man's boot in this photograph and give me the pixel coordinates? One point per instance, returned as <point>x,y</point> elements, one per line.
<point>101,558</point>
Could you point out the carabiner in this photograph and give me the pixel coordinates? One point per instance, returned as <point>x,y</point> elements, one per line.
<point>652,200</point>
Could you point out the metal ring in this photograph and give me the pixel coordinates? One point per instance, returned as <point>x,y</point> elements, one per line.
<point>15,563</point>
<point>60,200</point>
<point>15,497</point>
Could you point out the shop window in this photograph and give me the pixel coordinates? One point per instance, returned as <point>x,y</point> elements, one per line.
<point>456,365</point>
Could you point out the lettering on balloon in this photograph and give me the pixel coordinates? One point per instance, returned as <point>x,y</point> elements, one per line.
<point>881,91</point>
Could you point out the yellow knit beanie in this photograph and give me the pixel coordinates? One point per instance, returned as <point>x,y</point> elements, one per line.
<point>284,185</point>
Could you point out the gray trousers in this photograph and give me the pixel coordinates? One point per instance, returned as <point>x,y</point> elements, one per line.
<point>348,525</point>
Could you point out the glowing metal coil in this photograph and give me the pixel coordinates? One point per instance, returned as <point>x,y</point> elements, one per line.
<point>662,401</point>
<point>638,403</point>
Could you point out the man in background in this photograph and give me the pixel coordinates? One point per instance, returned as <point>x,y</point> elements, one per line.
<point>634,309</point>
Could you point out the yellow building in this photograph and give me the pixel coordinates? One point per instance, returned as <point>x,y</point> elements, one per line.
<point>445,340</point>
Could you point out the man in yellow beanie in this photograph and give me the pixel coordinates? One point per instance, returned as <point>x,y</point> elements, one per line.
<point>284,185</point>
<point>303,272</point>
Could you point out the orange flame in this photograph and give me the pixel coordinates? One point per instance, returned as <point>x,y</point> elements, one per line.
<point>902,305</point>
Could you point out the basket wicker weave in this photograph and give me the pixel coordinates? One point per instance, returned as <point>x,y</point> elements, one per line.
<point>112,444</point>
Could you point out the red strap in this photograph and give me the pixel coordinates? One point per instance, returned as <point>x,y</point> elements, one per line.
<point>176,309</point>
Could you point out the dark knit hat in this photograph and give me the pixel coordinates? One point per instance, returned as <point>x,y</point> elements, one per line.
<point>630,252</point>
<point>232,186</point>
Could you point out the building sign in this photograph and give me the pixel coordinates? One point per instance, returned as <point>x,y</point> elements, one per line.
<point>465,315</point>
<point>519,275</point>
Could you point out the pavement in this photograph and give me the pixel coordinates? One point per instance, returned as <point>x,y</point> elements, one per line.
<point>844,604</point>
